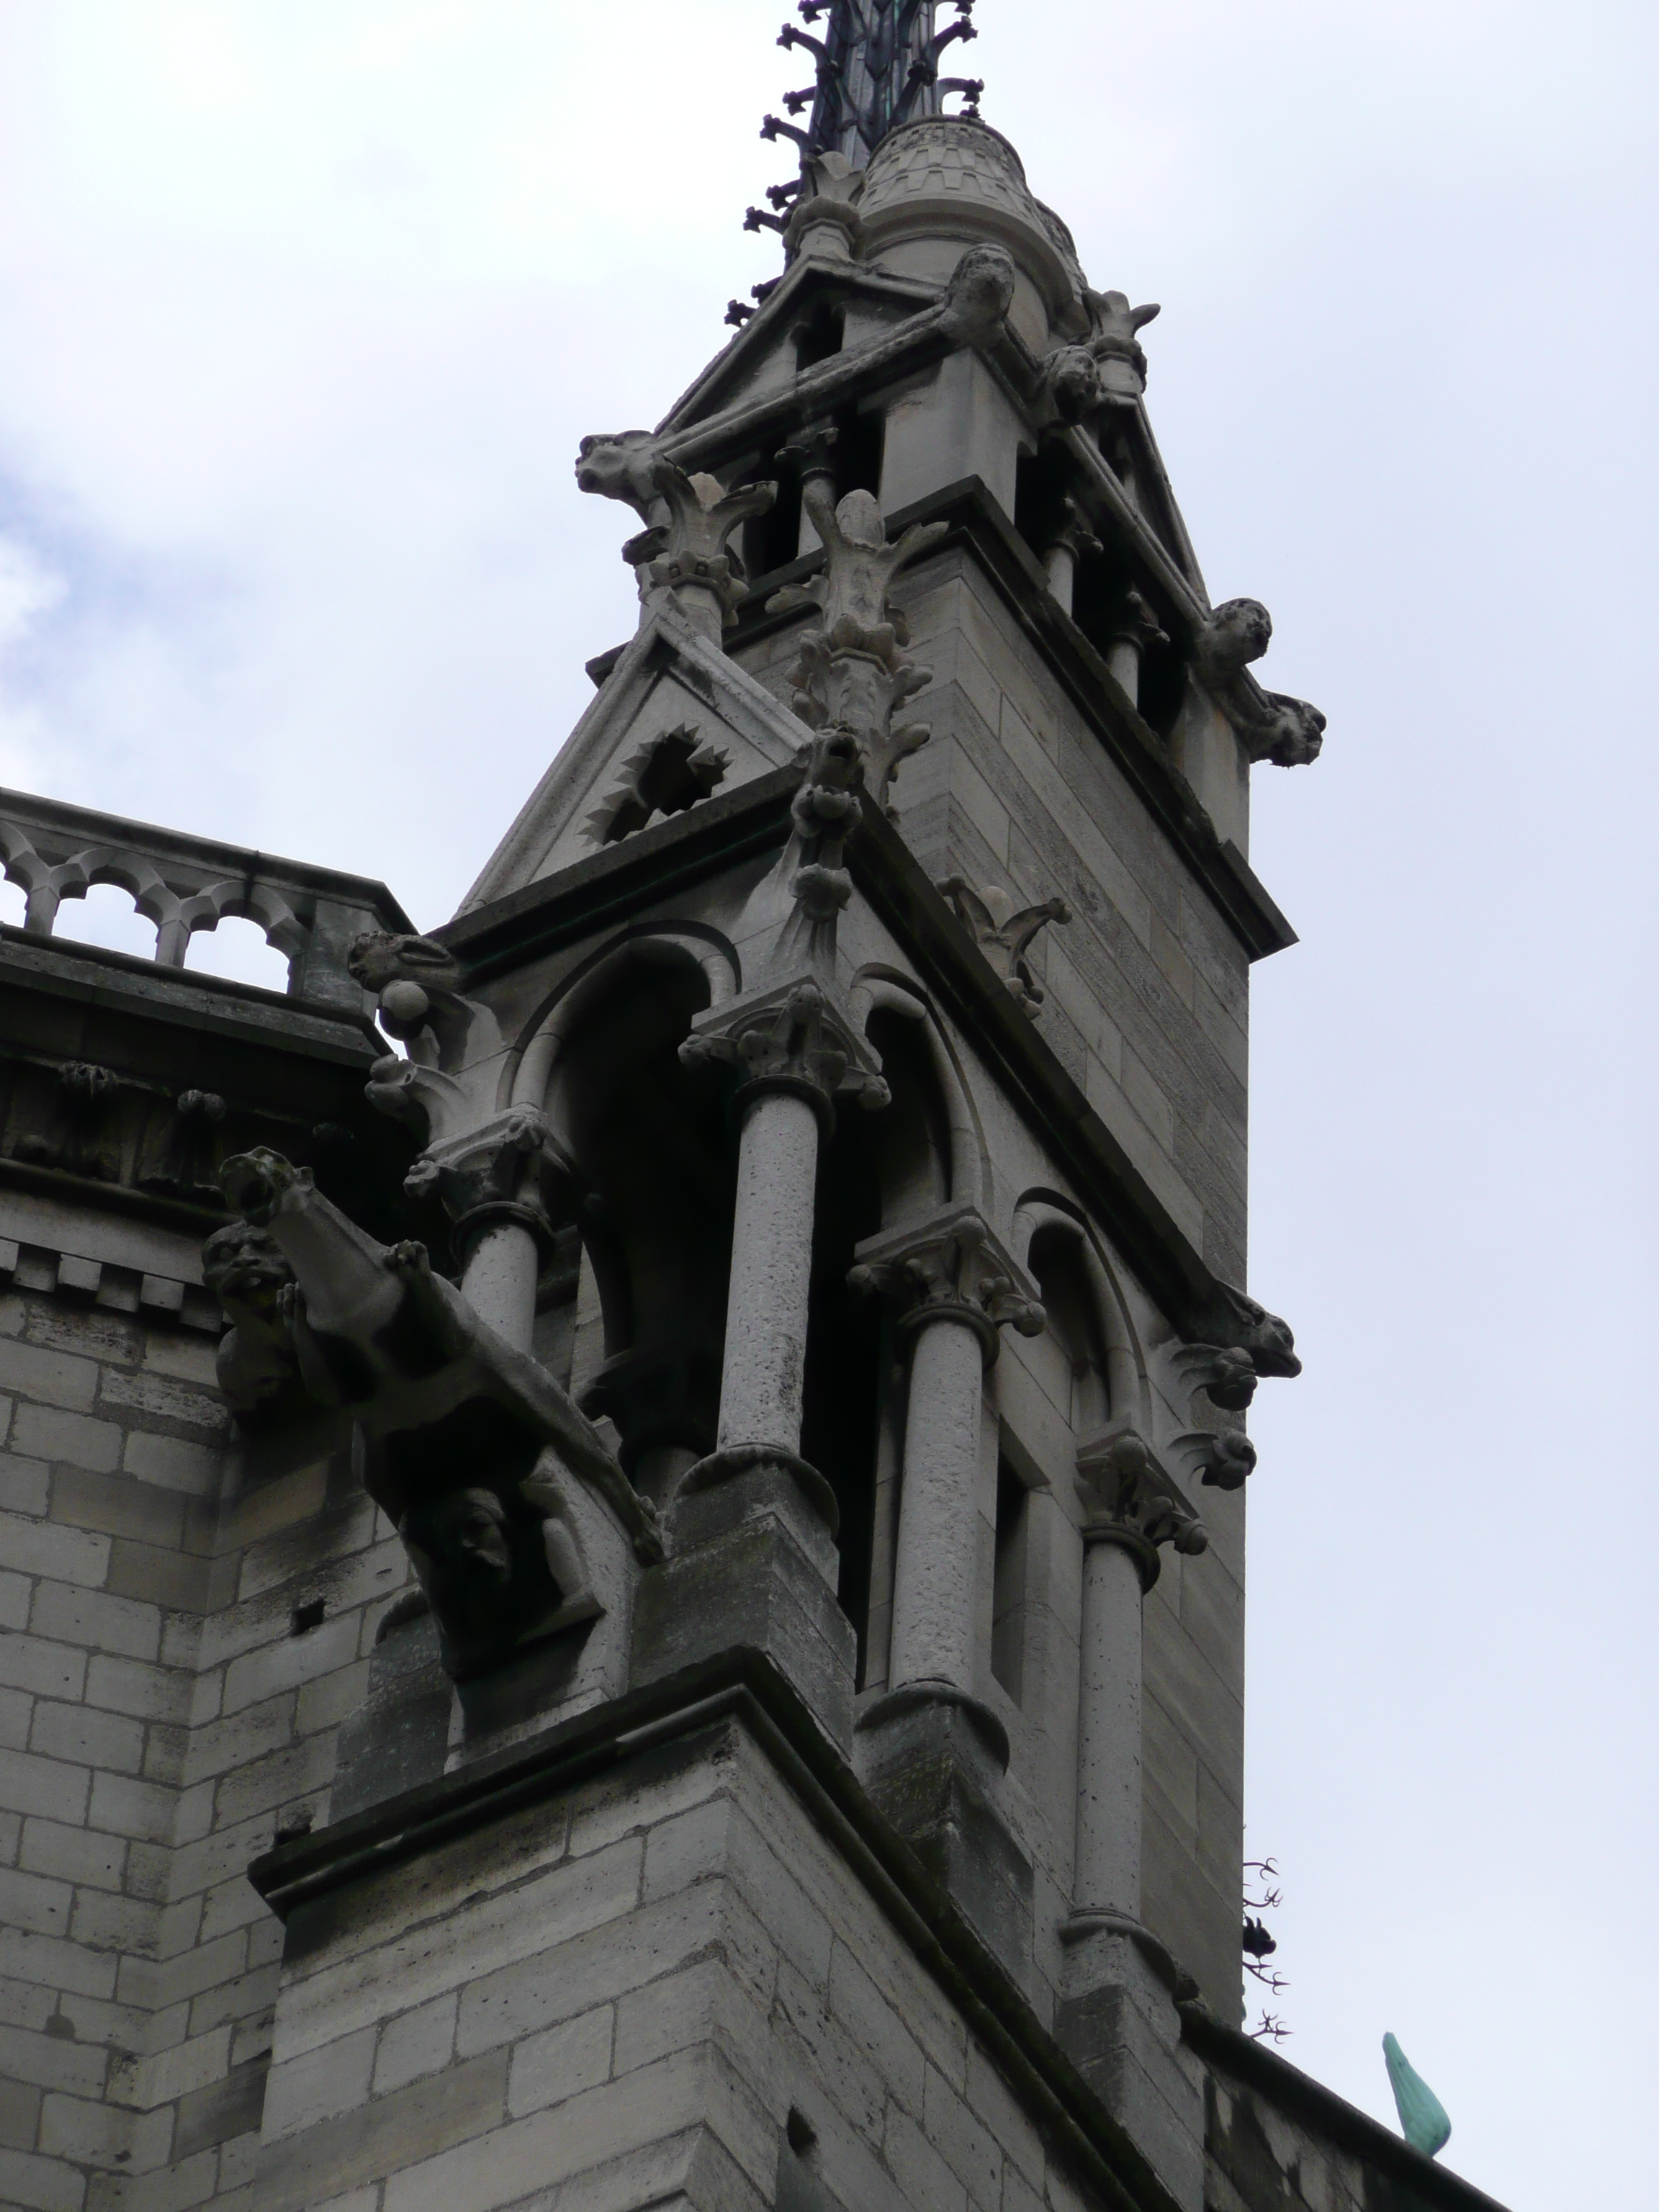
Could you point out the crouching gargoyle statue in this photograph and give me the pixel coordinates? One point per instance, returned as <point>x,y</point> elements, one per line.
<point>515,1515</point>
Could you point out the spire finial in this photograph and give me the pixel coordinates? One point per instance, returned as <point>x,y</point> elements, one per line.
<point>878,67</point>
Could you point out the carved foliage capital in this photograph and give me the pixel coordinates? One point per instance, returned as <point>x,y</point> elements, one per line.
<point>951,1268</point>
<point>1131,1499</point>
<point>793,1037</point>
<point>494,1173</point>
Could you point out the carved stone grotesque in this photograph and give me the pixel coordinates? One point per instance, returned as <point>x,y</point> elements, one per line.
<point>852,674</point>
<point>1226,1372</point>
<point>256,1364</point>
<point>498,1566</point>
<point>979,296</point>
<point>408,974</point>
<point>1109,368</point>
<point>1236,633</point>
<point>499,1486</point>
<point>1241,1323</point>
<point>1224,1458</point>
<point>1129,1497</point>
<point>689,519</point>
<point>182,1163</point>
<point>1004,933</point>
<point>1293,736</point>
<point>76,1144</point>
<point>1275,728</point>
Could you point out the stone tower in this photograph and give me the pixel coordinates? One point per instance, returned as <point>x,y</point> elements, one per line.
<point>683,1647</point>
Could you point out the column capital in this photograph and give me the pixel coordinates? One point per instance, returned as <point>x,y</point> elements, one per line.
<point>1131,1500</point>
<point>951,1268</point>
<point>494,1173</point>
<point>793,1038</point>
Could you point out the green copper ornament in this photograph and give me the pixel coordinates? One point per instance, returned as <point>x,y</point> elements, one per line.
<point>1423,2120</point>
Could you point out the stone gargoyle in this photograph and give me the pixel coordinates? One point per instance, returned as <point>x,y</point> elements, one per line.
<point>514,1513</point>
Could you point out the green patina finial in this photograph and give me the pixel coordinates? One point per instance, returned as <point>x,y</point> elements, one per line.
<point>1423,2120</point>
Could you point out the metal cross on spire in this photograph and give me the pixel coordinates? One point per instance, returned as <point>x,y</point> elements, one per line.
<point>877,66</point>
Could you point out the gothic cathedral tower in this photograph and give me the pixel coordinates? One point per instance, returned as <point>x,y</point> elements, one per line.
<point>716,1613</point>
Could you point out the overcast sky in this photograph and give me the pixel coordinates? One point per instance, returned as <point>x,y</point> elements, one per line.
<point>304,305</point>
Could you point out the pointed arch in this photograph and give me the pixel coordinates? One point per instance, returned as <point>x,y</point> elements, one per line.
<point>878,989</point>
<point>1128,1385</point>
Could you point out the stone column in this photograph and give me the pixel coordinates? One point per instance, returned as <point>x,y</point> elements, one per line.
<point>490,1183</point>
<point>1071,540</point>
<point>755,1561</point>
<point>1117,2018</point>
<point>771,1268</point>
<point>1136,634</point>
<point>957,1287</point>
<point>812,452</point>
<point>932,1753</point>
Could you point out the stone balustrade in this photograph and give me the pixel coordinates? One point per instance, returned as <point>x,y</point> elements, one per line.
<point>183,884</point>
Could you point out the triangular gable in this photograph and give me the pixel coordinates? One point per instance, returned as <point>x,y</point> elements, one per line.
<point>740,366</point>
<point>675,721</point>
<point>1155,496</point>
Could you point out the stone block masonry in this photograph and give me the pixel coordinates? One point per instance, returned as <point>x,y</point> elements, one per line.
<point>648,1988</point>
<point>161,1717</point>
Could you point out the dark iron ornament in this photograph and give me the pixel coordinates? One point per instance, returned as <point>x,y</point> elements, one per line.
<point>878,67</point>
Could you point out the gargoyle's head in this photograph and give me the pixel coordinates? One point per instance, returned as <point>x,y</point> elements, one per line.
<point>1238,632</point>
<point>619,465</point>
<point>255,1184</point>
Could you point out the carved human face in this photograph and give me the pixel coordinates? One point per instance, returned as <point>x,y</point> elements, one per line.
<point>245,1269</point>
<point>472,1526</point>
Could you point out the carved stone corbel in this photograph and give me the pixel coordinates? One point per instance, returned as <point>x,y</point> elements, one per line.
<point>951,1268</point>
<point>1130,1498</point>
<point>1004,933</point>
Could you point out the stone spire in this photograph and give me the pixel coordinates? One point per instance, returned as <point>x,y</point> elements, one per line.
<point>878,67</point>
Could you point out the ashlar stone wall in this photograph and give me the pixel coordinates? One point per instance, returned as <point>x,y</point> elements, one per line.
<point>664,1987</point>
<point>182,1628</point>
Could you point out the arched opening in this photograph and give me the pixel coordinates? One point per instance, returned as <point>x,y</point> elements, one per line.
<point>654,1215</point>
<point>1069,1357</point>
<point>13,903</point>
<point>239,950</point>
<point>105,916</point>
